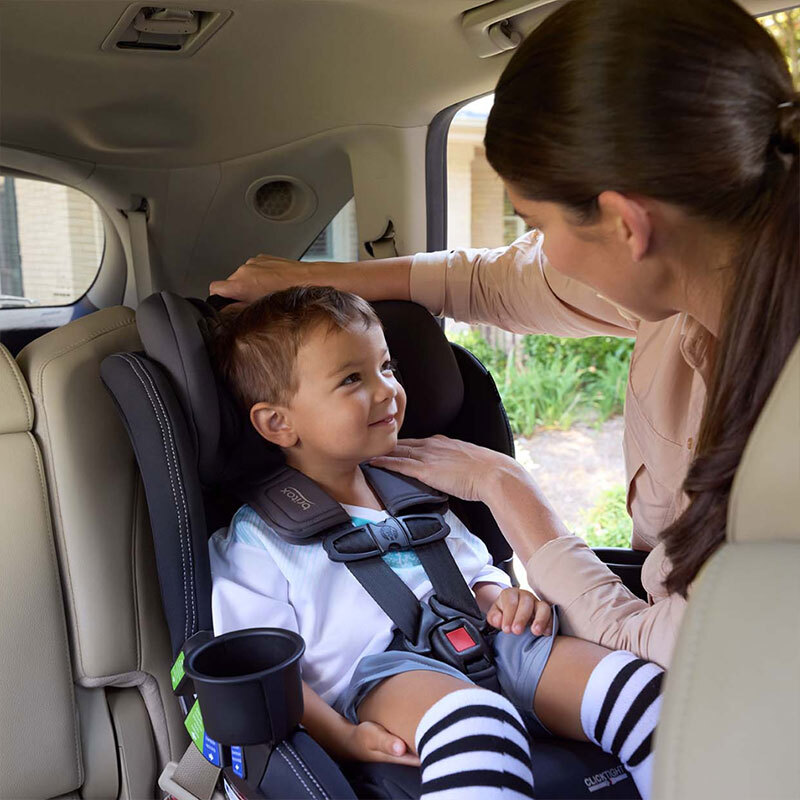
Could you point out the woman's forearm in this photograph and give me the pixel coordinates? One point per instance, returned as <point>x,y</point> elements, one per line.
<point>521,510</point>
<point>382,279</point>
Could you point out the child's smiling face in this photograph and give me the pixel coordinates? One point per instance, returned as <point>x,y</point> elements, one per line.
<point>348,405</point>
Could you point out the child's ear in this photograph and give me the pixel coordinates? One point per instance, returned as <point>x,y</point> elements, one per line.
<point>273,423</point>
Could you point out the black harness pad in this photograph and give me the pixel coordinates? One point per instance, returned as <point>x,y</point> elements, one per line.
<point>299,510</point>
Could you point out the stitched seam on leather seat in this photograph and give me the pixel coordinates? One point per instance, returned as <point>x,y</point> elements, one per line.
<point>65,642</point>
<point>305,769</point>
<point>179,481</point>
<point>74,345</point>
<point>136,367</point>
<point>35,383</point>
<point>134,584</point>
<point>22,388</point>
<point>296,773</point>
<point>137,370</point>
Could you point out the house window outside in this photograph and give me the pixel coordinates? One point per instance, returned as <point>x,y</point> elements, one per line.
<point>338,241</point>
<point>51,243</point>
<point>513,225</point>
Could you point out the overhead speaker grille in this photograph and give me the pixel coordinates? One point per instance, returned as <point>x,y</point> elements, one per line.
<point>282,199</point>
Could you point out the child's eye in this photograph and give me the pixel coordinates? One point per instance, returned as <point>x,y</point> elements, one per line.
<point>389,366</point>
<point>353,377</point>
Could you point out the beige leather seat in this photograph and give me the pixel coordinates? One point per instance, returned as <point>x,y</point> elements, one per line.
<point>730,727</point>
<point>38,716</point>
<point>129,722</point>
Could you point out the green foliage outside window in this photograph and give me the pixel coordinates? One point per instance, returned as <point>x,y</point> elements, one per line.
<point>608,523</point>
<point>785,27</point>
<point>549,382</point>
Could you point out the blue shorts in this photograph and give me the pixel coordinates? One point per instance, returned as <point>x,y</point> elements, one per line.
<point>520,660</point>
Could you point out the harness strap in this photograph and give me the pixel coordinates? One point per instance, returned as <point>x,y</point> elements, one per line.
<point>390,593</point>
<point>449,585</point>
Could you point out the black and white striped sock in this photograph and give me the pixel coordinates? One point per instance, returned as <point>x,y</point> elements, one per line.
<point>472,745</point>
<point>620,710</point>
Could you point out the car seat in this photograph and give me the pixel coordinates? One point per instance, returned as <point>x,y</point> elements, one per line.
<point>194,447</point>
<point>730,721</point>
<point>87,709</point>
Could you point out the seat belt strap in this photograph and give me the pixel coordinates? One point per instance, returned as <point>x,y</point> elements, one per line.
<point>384,246</point>
<point>193,778</point>
<point>140,253</point>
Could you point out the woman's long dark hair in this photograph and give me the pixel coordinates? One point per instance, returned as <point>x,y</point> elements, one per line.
<point>689,102</point>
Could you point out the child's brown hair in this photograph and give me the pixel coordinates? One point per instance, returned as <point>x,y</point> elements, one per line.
<point>254,350</point>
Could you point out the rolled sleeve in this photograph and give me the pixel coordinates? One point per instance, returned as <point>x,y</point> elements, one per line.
<point>595,605</point>
<point>514,288</point>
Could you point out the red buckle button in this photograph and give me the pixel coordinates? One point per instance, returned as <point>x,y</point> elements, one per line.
<point>460,639</point>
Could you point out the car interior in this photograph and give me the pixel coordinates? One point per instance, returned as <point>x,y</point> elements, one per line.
<point>192,137</point>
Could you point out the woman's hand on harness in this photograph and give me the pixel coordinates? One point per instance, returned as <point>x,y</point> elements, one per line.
<point>515,609</point>
<point>369,741</point>
<point>454,467</point>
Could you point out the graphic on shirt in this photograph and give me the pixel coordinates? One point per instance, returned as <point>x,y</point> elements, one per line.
<point>398,560</point>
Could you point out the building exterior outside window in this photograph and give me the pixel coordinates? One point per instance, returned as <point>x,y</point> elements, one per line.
<point>51,242</point>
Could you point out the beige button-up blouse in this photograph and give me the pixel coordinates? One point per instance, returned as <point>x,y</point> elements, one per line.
<point>514,288</point>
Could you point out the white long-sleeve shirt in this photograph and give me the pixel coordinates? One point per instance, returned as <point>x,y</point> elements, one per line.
<point>260,580</point>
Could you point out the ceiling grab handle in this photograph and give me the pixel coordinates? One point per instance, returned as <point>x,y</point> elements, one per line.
<point>489,28</point>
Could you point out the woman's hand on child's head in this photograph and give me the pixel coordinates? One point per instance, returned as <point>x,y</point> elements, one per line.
<point>369,741</point>
<point>264,274</point>
<point>515,608</point>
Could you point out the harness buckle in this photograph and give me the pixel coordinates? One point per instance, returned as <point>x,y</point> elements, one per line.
<point>455,639</point>
<point>460,643</point>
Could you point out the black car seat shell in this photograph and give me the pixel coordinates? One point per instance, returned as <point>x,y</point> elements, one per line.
<point>194,448</point>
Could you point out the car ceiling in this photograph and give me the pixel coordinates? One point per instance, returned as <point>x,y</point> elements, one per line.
<point>276,72</point>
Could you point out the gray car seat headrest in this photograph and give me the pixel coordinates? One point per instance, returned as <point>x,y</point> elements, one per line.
<point>174,332</point>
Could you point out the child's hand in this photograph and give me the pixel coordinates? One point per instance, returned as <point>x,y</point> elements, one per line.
<point>516,608</point>
<point>369,741</point>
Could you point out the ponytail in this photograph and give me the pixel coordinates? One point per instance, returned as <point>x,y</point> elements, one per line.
<point>761,325</point>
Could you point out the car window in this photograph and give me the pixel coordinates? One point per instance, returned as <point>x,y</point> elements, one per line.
<point>338,241</point>
<point>51,243</point>
<point>785,27</point>
<point>564,397</point>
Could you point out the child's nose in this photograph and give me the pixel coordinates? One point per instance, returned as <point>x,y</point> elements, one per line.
<point>385,389</point>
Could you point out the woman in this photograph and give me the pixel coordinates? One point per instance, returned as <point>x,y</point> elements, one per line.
<point>653,147</point>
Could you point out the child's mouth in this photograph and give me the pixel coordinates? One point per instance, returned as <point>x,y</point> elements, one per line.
<point>390,420</point>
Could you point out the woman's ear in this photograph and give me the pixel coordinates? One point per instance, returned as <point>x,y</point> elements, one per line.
<point>631,222</point>
<point>273,423</point>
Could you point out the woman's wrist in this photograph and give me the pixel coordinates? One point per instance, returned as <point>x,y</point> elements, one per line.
<point>523,513</point>
<point>502,479</point>
<point>381,279</point>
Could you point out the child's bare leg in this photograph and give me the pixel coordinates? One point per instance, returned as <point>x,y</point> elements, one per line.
<point>608,697</point>
<point>558,697</point>
<point>471,742</point>
<point>399,703</point>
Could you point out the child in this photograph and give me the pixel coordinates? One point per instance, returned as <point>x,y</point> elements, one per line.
<point>311,368</point>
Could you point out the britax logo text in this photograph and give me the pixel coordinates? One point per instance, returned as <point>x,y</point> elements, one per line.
<point>607,778</point>
<point>297,498</point>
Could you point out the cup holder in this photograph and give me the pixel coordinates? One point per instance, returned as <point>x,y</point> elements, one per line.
<point>248,684</point>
